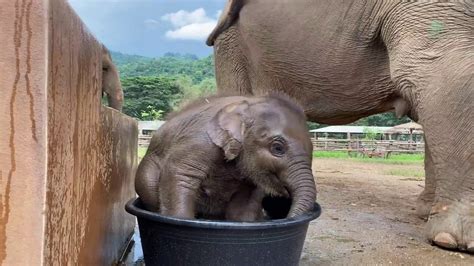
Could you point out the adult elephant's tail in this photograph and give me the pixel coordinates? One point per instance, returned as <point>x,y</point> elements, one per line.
<point>228,17</point>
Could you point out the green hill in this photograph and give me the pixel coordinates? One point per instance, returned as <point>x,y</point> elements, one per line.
<point>169,65</point>
<point>122,59</point>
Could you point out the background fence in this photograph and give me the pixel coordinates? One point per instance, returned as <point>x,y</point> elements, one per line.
<point>346,145</point>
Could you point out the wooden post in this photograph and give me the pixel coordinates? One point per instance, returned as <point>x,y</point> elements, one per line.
<point>66,162</point>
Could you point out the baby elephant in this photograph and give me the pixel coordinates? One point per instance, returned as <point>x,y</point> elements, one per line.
<point>218,157</point>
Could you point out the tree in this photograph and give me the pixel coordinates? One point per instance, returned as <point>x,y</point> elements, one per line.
<point>386,119</point>
<point>193,91</point>
<point>122,59</point>
<point>371,134</point>
<point>171,64</point>
<point>314,125</point>
<point>152,114</point>
<point>145,94</point>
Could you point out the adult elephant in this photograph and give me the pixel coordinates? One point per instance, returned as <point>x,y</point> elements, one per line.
<point>111,85</point>
<point>343,60</point>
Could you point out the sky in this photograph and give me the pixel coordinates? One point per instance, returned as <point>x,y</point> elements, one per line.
<point>151,27</point>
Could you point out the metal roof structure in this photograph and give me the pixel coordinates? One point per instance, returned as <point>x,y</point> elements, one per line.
<point>150,125</point>
<point>407,128</point>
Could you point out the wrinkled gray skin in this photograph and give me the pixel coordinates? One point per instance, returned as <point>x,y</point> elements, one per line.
<point>218,157</point>
<point>111,85</point>
<point>343,60</point>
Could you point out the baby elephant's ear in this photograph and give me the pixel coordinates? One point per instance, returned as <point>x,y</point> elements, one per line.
<point>226,129</point>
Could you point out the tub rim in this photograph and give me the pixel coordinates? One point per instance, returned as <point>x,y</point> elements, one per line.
<point>132,208</point>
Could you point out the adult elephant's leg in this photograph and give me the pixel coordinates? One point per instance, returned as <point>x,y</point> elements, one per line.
<point>426,198</point>
<point>431,65</point>
<point>231,66</point>
<point>441,93</point>
<point>449,123</point>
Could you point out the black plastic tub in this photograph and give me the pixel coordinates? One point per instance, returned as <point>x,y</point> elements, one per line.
<point>172,241</point>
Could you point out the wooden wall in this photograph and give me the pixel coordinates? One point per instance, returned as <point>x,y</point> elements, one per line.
<point>66,162</point>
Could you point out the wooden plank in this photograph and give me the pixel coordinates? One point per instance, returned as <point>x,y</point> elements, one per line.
<point>66,162</point>
<point>23,131</point>
<point>92,151</point>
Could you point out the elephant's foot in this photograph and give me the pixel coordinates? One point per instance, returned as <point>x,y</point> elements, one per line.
<point>451,225</point>
<point>424,203</point>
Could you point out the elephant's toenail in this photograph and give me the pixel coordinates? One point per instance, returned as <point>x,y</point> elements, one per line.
<point>470,247</point>
<point>445,240</point>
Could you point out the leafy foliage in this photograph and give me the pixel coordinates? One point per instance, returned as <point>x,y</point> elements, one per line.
<point>122,59</point>
<point>192,91</point>
<point>152,114</point>
<point>314,125</point>
<point>155,86</point>
<point>371,134</point>
<point>386,119</point>
<point>169,65</point>
<point>147,94</point>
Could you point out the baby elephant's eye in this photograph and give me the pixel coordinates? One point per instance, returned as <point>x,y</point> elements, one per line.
<point>277,148</point>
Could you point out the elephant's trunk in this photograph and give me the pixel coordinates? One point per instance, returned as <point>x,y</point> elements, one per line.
<point>301,186</point>
<point>115,99</point>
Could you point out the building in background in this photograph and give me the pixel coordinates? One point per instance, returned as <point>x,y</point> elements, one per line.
<point>146,128</point>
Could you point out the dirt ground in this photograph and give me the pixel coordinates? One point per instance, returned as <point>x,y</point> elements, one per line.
<point>369,218</point>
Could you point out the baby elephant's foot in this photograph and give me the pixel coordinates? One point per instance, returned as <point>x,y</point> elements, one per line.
<point>451,225</point>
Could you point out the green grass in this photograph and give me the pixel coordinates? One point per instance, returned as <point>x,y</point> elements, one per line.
<point>141,152</point>
<point>418,174</point>
<point>393,159</point>
<point>330,154</point>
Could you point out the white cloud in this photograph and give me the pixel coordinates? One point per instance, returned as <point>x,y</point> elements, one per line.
<point>195,31</point>
<point>194,25</point>
<point>151,23</point>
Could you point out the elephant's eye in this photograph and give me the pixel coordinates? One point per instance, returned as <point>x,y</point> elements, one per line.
<point>277,148</point>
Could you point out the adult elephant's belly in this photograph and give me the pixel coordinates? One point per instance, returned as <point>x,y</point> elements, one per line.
<point>338,72</point>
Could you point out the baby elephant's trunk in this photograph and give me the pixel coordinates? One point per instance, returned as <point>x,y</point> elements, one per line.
<point>302,187</point>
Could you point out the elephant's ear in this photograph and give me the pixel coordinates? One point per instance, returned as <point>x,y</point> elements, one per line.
<point>226,129</point>
<point>228,17</point>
